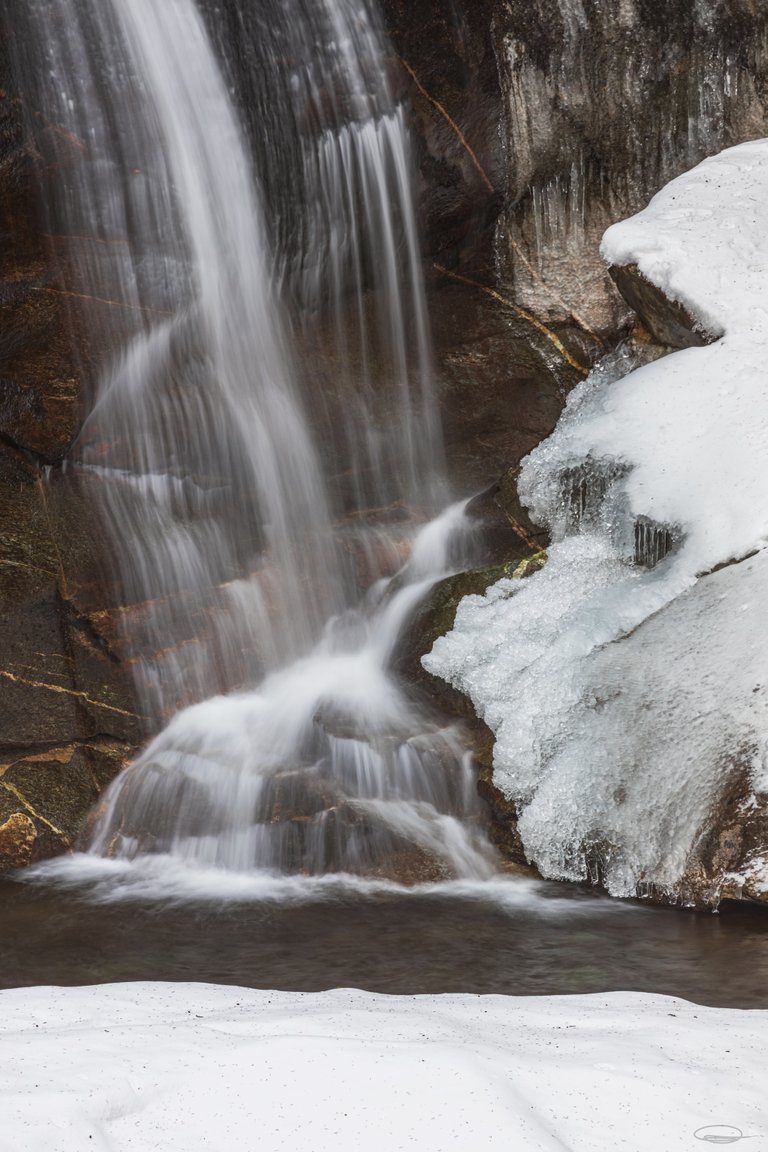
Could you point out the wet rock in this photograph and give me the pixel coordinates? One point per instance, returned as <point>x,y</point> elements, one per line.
<point>39,385</point>
<point>582,151</point>
<point>17,841</point>
<point>505,529</point>
<point>410,865</point>
<point>669,322</point>
<point>45,797</point>
<point>446,57</point>
<point>503,822</point>
<point>297,795</point>
<point>68,721</point>
<point>730,859</point>
<point>501,381</point>
<point>435,616</point>
<point>59,683</point>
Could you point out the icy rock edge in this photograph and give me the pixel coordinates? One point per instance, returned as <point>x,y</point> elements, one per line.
<point>627,682</point>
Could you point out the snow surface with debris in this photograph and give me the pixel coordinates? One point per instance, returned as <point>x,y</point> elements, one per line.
<point>193,1067</point>
<point>625,700</point>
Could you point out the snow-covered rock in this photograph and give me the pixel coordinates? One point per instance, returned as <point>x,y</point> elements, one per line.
<point>631,705</point>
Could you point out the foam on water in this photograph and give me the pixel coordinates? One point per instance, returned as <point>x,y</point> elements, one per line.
<point>325,767</point>
<point>167,880</point>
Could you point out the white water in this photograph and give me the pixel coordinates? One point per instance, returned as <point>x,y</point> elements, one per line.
<point>214,458</point>
<point>324,768</point>
<point>210,485</point>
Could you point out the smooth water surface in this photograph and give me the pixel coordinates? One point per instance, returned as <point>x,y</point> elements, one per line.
<point>515,937</point>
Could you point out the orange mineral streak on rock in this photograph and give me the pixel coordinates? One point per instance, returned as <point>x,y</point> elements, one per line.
<point>17,839</point>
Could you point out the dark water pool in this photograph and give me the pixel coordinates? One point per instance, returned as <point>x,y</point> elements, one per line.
<point>551,940</point>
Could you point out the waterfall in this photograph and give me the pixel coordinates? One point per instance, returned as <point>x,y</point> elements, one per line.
<point>335,153</point>
<point>216,305</point>
<point>210,487</point>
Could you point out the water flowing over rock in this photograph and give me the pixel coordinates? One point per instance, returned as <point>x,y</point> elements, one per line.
<point>220,422</point>
<point>200,442</point>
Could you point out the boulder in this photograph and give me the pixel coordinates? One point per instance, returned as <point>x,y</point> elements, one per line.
<point>668,322</point>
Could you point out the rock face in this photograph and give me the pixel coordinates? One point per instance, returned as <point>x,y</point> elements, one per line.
<point>446,54</point>
<point>501,381</point>
<point>604,103</point>
<point>668,322</point>
<point>67,719</point>
<point>541,124</point>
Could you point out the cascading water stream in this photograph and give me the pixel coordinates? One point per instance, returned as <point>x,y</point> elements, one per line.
<point>210,483</point>
<point>335,156</point>
<point>324,768</point>
<point>209,449</point>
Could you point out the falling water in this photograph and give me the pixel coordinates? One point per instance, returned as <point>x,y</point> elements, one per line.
<point>330,134</point>
<point>216,457</point>
<point>324,768</point>
<point>210,483</point>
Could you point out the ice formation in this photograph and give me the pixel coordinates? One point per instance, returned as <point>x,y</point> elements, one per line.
<point>583,150</point>
<point>627,699</point>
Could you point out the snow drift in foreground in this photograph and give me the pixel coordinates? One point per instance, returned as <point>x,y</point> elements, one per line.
<point>627,700</point>
<point>187,1067</point>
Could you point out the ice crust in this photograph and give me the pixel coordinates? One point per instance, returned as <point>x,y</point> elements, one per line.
<point>187,1067</point>
<point>624,701</point>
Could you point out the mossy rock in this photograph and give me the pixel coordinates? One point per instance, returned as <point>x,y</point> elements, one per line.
<point>436,615</point>
<point>434,618</point>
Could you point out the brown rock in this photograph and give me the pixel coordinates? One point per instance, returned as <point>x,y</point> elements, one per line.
<point>17,840</point>
<point>502,383</point>
<point>505,528</point>
<point>448,68</point>
<point>54,789</point>
<point>668,322</point>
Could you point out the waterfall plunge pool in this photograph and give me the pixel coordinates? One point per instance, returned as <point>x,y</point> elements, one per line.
<point>510,936</point>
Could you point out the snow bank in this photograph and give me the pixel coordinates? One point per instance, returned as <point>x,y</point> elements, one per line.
<point>182,1068</point>
<point>617,759</point>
